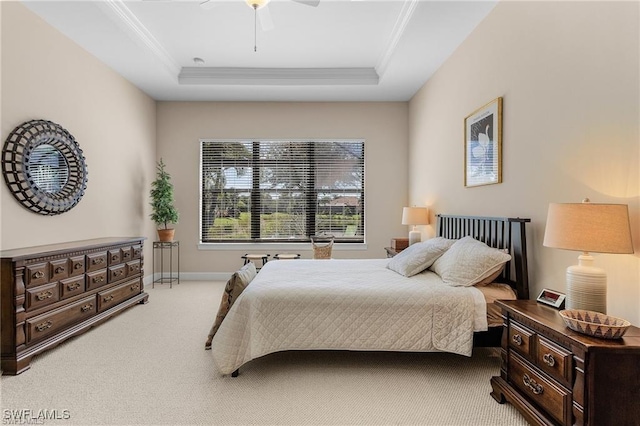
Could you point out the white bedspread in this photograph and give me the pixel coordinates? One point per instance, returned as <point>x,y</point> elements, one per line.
<point>347,305</point>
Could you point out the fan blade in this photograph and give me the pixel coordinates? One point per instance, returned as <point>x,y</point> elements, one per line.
<point>312,3</point>
<point>266,23</point>
<point>208,4</point>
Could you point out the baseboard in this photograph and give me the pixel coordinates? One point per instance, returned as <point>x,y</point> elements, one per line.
<point>192,276</point>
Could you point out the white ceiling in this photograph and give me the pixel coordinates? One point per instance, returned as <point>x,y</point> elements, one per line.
<point>311,54</point>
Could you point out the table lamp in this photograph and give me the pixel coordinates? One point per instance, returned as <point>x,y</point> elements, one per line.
<point>588,227</point>
<point>415,216</point>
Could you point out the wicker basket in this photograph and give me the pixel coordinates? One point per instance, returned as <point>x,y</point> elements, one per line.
<point>594,323</point>
<point>322,246</point>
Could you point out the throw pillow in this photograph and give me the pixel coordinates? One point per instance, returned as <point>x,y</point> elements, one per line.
<point>236,284</point>
<point>468,262</point>
<point>419,256</point>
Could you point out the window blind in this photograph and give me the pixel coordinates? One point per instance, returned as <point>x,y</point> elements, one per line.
<point>282,191</point>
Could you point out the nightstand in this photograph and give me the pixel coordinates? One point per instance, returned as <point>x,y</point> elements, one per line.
<point>391,251</point>
<point>554,375</point>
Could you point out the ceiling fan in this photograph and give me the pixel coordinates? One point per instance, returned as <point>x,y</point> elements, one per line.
<point>261,11</point>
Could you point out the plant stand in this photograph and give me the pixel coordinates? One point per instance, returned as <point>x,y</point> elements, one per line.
<point>166,246</point>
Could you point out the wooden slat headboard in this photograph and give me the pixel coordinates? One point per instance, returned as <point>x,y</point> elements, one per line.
<point>498,232</point>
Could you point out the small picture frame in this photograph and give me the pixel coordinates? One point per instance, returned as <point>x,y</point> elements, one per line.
<point>552,298</point>
<point>483,145</point>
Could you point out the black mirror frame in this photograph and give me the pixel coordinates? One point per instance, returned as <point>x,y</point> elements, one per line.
<point>15,167</point>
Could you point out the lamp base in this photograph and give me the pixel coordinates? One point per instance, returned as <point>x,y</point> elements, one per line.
<point>414,237</point>
<point>586,286</point>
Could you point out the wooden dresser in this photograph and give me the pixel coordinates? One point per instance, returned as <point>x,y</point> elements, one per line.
<point>556,376</point>
<point>53,292</point>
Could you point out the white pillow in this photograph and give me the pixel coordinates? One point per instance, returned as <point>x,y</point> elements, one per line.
<point>419,256</point>
<point>468,262</point>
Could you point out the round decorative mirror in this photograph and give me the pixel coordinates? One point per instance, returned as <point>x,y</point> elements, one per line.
<point>44,168</point>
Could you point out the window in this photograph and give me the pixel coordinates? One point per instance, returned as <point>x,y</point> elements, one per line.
<point>281,191</point>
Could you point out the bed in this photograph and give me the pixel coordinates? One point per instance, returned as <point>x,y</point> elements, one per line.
<point>365,305</point>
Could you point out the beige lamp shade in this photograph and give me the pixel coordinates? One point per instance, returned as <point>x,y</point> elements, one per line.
<point>589,227</point>
<point>415,216</point>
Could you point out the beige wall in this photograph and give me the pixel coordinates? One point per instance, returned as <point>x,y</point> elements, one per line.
<point>384,127</point>
<point>47,76</point>
<point>569,76</point>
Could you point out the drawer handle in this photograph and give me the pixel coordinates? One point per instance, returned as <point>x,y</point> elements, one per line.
<point>127,254</point>
<point>43,326</point>
<point>535,387</point>
<point>97,261</point>
<point>135,287</point>
<point>73,286</point>
<point>117,273</point>
<point>114,257</point>
<point>98,279</point>
<point>44,295</point>
<point>135,267</point>
<point>517,339</point>
<point>108,298</point>
<point>136,253</point>
<point>77,266</point>
<point>59,270</point>
<point>549,360</point>
<point>38,275</point>
<point>87,307</point>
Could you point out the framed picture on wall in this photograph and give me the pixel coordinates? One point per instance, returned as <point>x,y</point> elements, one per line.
<point>483,145</point>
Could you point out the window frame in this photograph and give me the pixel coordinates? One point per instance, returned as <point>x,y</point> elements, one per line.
<point>348,244</point>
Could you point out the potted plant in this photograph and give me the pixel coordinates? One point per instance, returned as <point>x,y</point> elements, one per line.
<point>163,211</point>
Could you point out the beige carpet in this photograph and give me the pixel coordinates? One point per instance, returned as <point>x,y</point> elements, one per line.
<point>148,366</point>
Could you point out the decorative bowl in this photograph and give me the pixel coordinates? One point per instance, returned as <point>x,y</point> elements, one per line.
<point>595,323</point>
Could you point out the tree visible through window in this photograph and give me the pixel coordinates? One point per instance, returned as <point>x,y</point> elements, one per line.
<point>282,191</point>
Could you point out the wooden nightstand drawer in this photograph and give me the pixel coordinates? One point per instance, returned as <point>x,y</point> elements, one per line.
<point>554,360</point>
<point>520,339</point>
<point>550,396</point>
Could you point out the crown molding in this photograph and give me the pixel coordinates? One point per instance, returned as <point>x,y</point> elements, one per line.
<point>278,76</point>
<point>122,15</point>
<point>396,34</point>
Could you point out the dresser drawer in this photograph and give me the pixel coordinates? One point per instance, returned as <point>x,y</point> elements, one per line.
<point>114,256</point>
<point>520,339</point>
<point>71,287</point>
<point>136,252</point>
<point>42,296</point>
<point>554,360</point>
<point>117,273</point>
<point>96,279</point>
<point>126,253</point>
<point>117,294</point>
<point>550,396</point>
<point>48,324</point>
<point>35,275</point>
<point>133,268</point>
<point>59,269</point>
<point>76,266</point>
<point>96,261</point>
